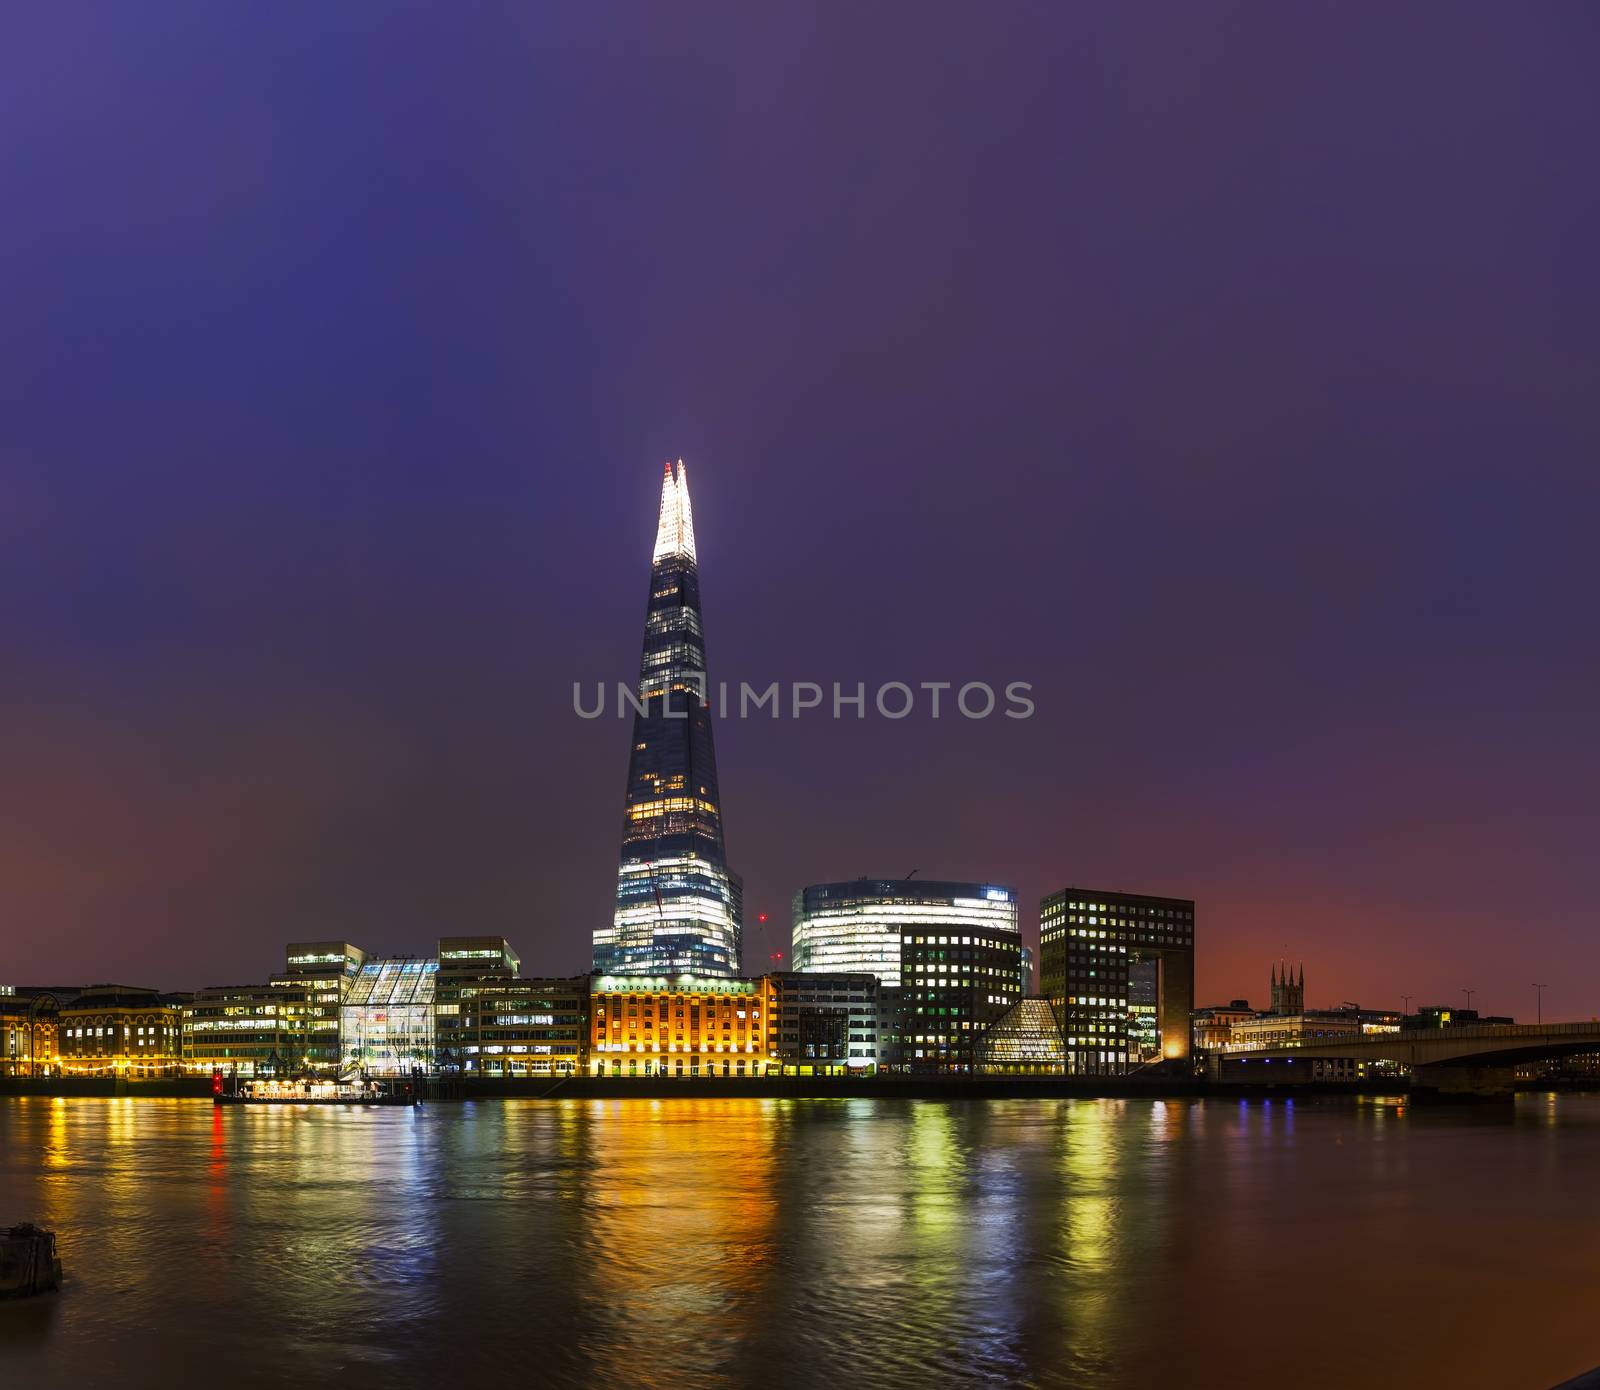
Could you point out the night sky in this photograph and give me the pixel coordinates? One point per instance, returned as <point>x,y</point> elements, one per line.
<point>1230,372</point>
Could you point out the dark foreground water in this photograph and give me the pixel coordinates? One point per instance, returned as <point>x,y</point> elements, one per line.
<point>773,1243</point>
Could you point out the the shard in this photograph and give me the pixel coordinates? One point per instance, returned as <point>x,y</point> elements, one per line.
<point>678,907</point>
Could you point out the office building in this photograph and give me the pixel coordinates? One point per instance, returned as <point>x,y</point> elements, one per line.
<point>1118,968</point>
<point>464,963</point>
<point>499,1026</point>
<point>956,980</point>
<point>387,1020</point>
<point>856,927</point>
<point>313,987</point>
<point>827,1023</point>
<point>679,911</point>
<point>652,1025</point>
<point>243,1028</point>
<point>477,957</point>
<point>323,959</point>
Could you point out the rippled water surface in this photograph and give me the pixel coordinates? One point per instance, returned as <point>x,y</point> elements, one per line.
<point>775,1243</point>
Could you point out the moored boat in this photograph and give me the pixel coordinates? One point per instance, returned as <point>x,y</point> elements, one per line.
<point>28,1263</point>
<point>314,1090</point>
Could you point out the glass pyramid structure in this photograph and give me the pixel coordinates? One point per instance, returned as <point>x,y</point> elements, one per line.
<point>1025,1038</point>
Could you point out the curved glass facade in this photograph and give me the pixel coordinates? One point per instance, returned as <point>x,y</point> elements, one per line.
<point>856,927</point>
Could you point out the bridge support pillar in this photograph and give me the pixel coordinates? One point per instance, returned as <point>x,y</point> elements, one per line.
<point>1450,1083</point>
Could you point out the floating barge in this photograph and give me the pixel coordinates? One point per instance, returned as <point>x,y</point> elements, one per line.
<point>308,1090</point>
<point>28,1263</point>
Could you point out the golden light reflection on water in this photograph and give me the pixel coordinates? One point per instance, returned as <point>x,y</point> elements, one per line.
<point>716,1243</point>
<point>679,1201</point>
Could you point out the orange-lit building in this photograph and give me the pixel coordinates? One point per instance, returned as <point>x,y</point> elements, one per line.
<point>120,1030</point>
<point>642,1025</point>
<point>29,1030</point>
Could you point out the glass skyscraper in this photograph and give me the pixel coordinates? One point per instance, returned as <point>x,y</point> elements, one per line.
<point>678,908</point>
<point>857,926</point>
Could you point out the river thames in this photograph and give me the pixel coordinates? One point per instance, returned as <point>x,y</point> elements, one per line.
<point>781,1242</point>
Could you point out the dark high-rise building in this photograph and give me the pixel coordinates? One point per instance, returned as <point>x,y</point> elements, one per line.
<point>828,1022</point>
<point>959,973</point>
<point>678,908</point>
<point>1118,968</point>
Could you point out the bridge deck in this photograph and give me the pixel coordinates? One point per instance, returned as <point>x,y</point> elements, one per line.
<point>1489,1043</point>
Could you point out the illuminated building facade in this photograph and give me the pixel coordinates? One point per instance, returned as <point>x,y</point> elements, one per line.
<point>228,1027</point>
<point>476,957</point>
<point>1296,1030</point>
<point>312,989</point>
<point>1118,968</point>
<point>679,910</point>
<point>29,1029</point>
<point>1212,1027</point>
<point>958,978</point>
<point>514,1027</point>
<point>1023,1041</point>
<point>463,961</point>
<point>856,927</point>
<point>323,959</point>
<point>387,1020</point>
<point>827,1023</point>
<point>118,1030</point>
<point>643,1025</point>
<point>1311,1026</point>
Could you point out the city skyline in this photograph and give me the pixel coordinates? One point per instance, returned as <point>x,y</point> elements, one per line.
<point>1251,424</point>
<point>674,563</point>
<point>1106,758</point>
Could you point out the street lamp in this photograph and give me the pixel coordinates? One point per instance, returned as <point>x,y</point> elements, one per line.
<point>1538,1001</point>
<point>1469,993</point>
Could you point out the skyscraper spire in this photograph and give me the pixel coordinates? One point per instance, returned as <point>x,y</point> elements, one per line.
<point>678,907</point>
<point>675,530</point>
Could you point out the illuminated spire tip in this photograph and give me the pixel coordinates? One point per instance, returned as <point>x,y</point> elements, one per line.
<point>675,532</point>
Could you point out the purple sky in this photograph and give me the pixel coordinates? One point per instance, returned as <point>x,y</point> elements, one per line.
<point>1230,372</point>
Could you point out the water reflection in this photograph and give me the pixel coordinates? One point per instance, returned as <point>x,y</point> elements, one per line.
<point>781,1243</point>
